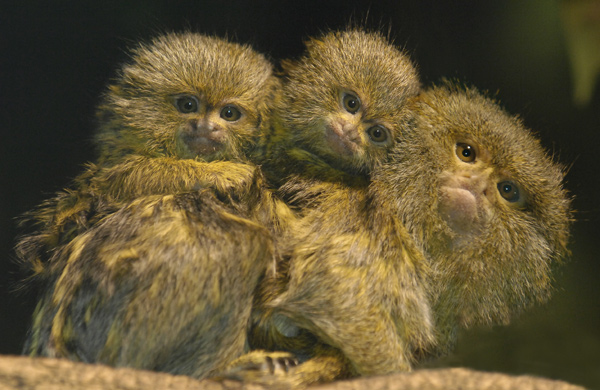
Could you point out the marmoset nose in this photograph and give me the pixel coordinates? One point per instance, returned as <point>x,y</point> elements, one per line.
<point>205,126</point>
<point>350,131</point>
<point>475,180</point>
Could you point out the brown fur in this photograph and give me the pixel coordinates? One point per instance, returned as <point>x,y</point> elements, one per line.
<point>356,280</point>
<point>141,135</point>
<point>300,141</point>
<point>491,262</point>
<point>152,257</point>
<point>348,299</point>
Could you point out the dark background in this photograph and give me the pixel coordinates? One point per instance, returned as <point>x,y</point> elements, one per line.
<point>56,57</point>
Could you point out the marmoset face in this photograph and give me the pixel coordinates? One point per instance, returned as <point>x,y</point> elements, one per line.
<point>342,99</point>
<point>487,203</point>
<point>189,96</point>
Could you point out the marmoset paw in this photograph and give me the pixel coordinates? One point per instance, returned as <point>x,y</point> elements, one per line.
<point>260,366</point>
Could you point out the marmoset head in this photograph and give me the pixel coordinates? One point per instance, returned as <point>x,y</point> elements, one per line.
<point>342,99</point>
<point>480,194</point>
<point>186,95</point>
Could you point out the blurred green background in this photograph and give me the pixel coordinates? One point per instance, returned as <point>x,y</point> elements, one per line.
<point>539,57</point>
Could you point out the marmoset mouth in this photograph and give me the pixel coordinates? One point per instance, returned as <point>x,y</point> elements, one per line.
<point>203,139</point>
<point>464,205</point>
<point>200,145</point>
<point>458,207</point>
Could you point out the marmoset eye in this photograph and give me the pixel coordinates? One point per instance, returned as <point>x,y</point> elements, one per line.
<point>466,152</point>
<point>351,102</point>
<point>378,134</point>
<point>230,113</point>
<point>509,191</point>
<point>187,104</point>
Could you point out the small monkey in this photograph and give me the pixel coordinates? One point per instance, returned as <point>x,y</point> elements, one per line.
<point>485,202</point>
<point>335,117</point>
<point>182,115</point>
<point>348,268</point>
<point>151,260</point>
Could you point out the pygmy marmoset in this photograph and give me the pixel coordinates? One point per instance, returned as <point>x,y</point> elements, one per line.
<point>348,297</point>
<point>486,203</point>
<point>482,202</point>
<point>151,260</point>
